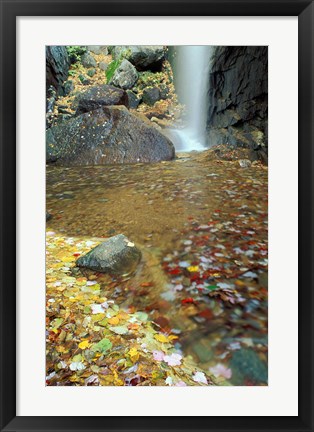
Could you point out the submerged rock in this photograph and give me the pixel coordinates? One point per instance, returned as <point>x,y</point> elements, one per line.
<point>99,96</point>
<point>117,256</point>
<point>246,365</point>
<point>109,135</point>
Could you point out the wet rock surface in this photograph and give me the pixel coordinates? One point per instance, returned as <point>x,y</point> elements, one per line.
<point>117,256</point>
<point>238,108</point>
<point>107,135</point>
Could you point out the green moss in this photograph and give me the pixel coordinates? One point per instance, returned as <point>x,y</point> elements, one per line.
<point>75,52</point>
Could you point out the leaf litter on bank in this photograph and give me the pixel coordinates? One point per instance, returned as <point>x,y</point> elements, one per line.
<point>83,345</point>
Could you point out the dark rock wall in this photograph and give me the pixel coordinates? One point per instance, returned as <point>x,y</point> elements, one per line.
<point>238,99</point>
<point>57,67</point>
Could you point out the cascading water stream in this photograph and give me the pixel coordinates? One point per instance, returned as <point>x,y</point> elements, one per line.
<point>192,85</point>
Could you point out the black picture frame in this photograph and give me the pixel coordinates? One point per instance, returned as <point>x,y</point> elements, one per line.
<point>304,9</point>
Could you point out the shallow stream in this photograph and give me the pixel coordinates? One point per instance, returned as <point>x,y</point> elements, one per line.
<point>202,229</point>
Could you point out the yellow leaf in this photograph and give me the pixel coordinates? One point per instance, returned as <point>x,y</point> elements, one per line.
<point>165,339</point>
<point>134,354</point>
<point>161,338</point>
<point>114,320</point>
<point>83,345</point>
<point>193,269</point>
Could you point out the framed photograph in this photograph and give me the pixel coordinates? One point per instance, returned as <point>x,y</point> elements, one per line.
<point>156,217</point>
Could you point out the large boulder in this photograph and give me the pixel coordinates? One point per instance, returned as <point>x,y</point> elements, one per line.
<point>125,75</point>
<point>109,135</point>
<point>116,256</point>
<point>96,97</point>
<point>57,67</point>
<point>143,57</point>
<point>238,98</point>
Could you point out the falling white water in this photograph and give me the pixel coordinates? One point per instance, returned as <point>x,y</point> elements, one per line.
<point>192,84</point>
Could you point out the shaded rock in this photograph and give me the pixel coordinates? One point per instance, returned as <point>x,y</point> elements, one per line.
<point>109,135</point>
<point>91,72</point>
<point>63,110</point>
<point>143,57</point>
<point>238,98</point>
<point>133,100</point>
<point>51,99</point>
<point>103,66</point>
<point>203,350</point>
<point>98,49</point>
<point>96,97</point>
<point>116,256</point>
<point>84,80</point>
<point>125,75</point>
<point>57,67</point>
<point>88,61</point>
<point>246,364</point>
<point>151,95</point>
<point>68,87</point>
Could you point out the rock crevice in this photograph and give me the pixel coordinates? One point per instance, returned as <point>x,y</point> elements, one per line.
<point>238,99</point>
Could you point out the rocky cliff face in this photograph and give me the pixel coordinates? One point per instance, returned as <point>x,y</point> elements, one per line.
<point>238,99</point>
<point>57,67</point>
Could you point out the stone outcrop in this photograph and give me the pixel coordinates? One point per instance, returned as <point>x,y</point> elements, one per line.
<point>109,135</point>
<point>57,67</point>
<point>238,99</point>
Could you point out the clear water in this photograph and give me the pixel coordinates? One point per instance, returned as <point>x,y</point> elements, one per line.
<point>202,229</point>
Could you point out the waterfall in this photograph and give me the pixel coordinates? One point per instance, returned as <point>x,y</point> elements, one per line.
<point>192,82</point>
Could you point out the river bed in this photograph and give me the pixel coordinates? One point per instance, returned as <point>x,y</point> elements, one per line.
<point>202,228</point>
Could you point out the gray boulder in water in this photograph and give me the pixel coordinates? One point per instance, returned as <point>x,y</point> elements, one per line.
<point>109,135</point>
<point>116,256</point>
